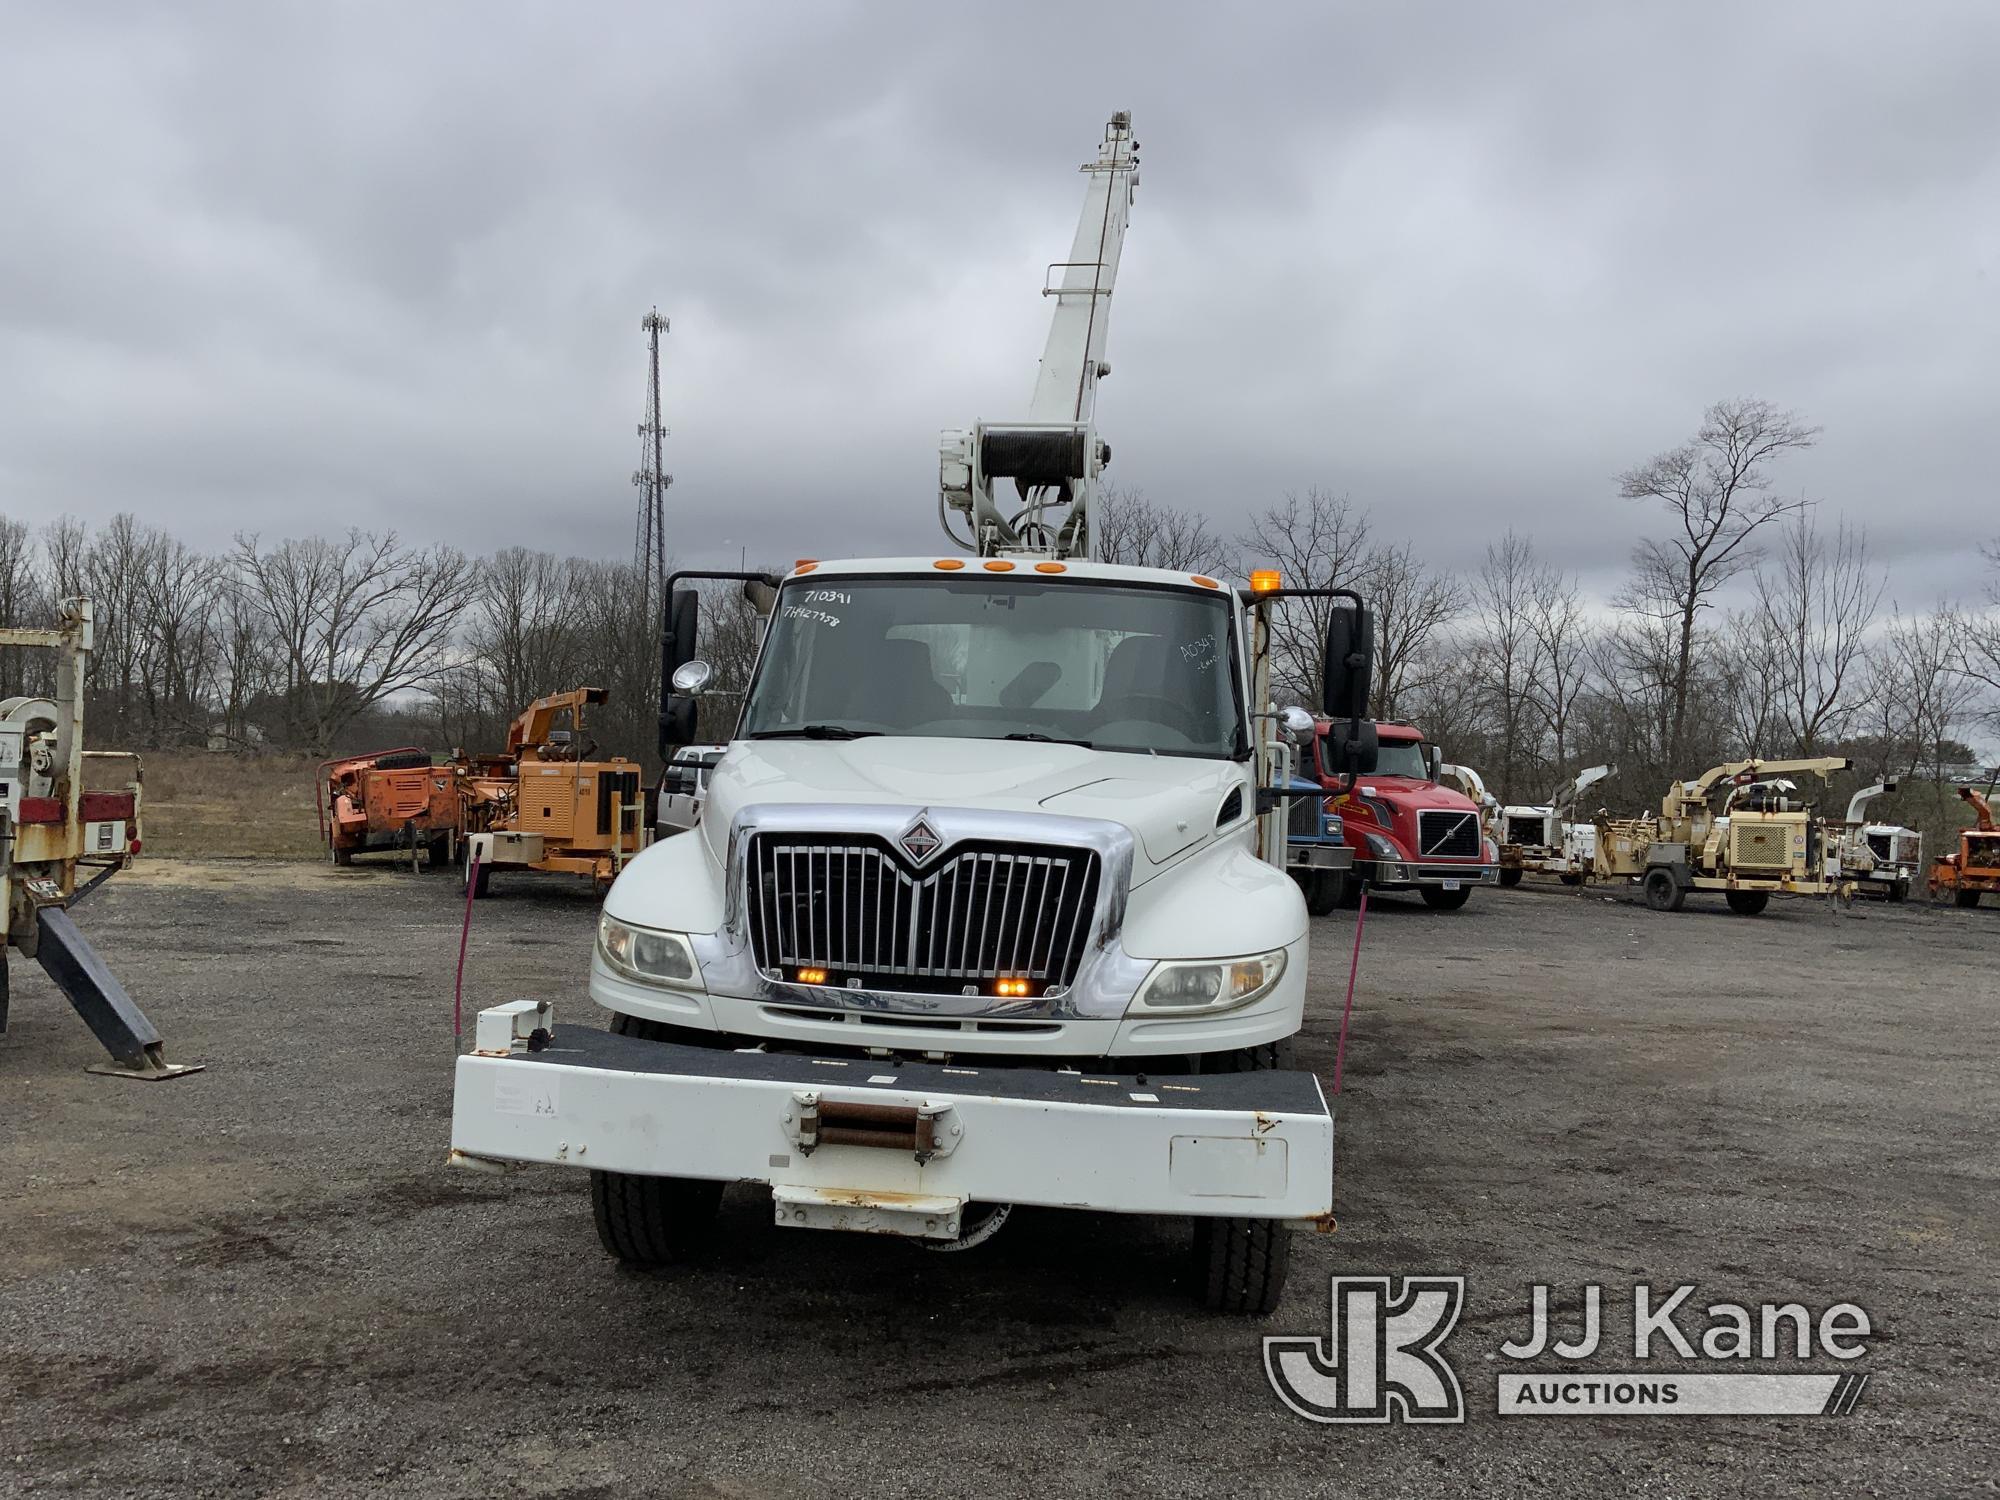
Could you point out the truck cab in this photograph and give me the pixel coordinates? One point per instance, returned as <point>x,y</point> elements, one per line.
<point>1407,830</point>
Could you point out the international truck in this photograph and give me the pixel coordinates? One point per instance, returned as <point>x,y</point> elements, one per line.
<point>987,905</point>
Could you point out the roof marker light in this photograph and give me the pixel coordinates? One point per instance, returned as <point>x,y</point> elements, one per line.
<point>949,564</point>
<point>998,565</point>
<point>1266,581</point>
<point>1207,583</point>
<point>1049,567</point>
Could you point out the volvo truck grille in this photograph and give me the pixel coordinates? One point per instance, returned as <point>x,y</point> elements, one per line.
<point>1447,835</point>
<point>851,908</point>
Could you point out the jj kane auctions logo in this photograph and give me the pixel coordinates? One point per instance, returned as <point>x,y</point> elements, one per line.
<point>1380,1359</point>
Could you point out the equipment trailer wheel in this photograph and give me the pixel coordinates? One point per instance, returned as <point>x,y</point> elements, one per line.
<point>1899,892</point>
<point>1663,892</point>
<point>339,856</point>
<point>1570,877</point>
<point>1510,877</point>
<point>1748,903</point>
<point>1240,1265</point>
<point>1437,898</point>
<point>1967,899</point>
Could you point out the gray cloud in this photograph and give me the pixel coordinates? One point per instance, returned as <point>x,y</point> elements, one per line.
<point>284,268</point>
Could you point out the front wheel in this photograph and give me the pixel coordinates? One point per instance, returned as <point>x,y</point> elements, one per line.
<point>1240,1265</point>
<point>1748,903</point>
<point>648,1222</point>
<point>1325,890</point>
<point>1437,898</point>
<point>1510,877</point>
<point>1966,899</point>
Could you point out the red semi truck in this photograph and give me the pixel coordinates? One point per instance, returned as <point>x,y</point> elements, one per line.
<point>1405,829</point>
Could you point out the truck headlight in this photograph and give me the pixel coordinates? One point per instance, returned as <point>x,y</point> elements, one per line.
<point>1380,847</point>
<point>649,955</point>
<point>1211,984</point>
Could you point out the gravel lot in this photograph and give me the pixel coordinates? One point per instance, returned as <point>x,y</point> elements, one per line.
<point>263,1280</point>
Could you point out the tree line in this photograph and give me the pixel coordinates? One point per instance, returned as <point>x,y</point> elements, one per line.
<point>1747,625</point>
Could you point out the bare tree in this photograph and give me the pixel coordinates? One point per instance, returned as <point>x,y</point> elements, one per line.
<point>1978,640</point>
<point>1413,606</point>
<point>1564,639</point>
<point>1132,529</point>
<point>1504,654</point>
<point>352,622</point>
<point>1317,541</point>
<point>23,601</point>
<point>1717,493</point>
<point>1814,607</point>
<point>1918,662</point>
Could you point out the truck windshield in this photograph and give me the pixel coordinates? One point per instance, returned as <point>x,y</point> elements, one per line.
<point>1113,667</point>
<point>1401,758</point>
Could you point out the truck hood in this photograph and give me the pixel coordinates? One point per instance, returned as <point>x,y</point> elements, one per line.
<point>1169,802</point>
<point>1407,791</point>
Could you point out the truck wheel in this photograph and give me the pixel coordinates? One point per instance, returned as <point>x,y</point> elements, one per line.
<point>1326,890</point>
<point>1240,1265</point>
<point>409,760</point>
<point>466,879</point>
<point>1510,877</point>
<point>1748,903</point>
<point>339,856</point>
<point>1899,892</point>
<point>1570,877</point>
<point>1663,892</point>
<point>653,1221</point>
<point>1966,899</point>
<point>1437,898</point>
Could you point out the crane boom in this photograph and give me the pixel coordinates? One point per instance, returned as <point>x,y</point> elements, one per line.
<point>1054,457</point>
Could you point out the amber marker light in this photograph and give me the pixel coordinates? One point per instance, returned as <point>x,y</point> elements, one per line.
<point>999,565</point>
<point>949,564</point>
<point>1207,583</point>
<point>805,565</point>
<point>1051,568</point>
<point>1266,581</point>
<point>812,976</point>
<point>1010,987</point>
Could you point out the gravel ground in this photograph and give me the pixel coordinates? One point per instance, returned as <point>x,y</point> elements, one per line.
<point>263,1280</point>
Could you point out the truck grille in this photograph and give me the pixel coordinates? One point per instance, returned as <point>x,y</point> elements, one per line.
<point>851,907</point>
<point>1442,834</point>
<point>1303,814</point>
<point>1526,830</point>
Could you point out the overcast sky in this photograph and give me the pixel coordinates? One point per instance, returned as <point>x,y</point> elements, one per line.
<point>289,268</point>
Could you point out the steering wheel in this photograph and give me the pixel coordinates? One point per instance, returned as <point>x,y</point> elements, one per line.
<point>1171,712</point>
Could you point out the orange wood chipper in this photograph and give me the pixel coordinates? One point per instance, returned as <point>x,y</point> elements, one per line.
<point>1974,867</point>
<point>388,800</point>
<point>549,803</point>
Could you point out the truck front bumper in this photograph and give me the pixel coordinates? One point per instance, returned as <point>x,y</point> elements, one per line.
<point>902,1147</point>
<point>1304,855</point>
<point>1393,874</point>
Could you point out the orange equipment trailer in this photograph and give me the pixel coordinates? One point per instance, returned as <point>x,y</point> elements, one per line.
<point>387,799</point>
<point>1975,866</point>
<point>549,803</point>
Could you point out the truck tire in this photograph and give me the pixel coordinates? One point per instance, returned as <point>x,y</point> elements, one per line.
<point>1899,892</point>
<point>1967,899</point>
<point>466,881</point>
<point>653,1221</point>
<point>1239,1265</point>
<point>408,760</point>
<point>1325,890</point>
<point>1437,898</point>
<point>1510,877</point>
<point>1570,877</point>
<point>1748,903</point>
<point>341,857</point>
<point>1663,892</point>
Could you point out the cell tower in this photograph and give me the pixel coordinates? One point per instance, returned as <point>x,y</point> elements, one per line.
<point>649,544</point>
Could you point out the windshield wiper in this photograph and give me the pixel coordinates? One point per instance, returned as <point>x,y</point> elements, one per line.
<point>1046,739</point>
<point>815,732</point>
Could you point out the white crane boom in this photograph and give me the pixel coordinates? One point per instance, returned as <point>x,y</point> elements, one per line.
<point>1054,457</point>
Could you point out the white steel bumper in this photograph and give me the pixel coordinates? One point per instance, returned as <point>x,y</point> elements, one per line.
<point>859,1143</point>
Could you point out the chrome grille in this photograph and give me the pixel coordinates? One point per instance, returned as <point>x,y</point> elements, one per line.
<point>1447,835</point>
<point>1303,814</point>
<point>986,910</point>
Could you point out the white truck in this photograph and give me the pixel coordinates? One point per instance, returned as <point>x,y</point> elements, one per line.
<point>987,904</point>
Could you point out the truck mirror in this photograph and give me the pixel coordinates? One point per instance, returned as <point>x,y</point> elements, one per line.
<point>677,724</point>
<point>1349,747</point>
<point>683,615</point>
<point>1296,721</point>
<point>1348,666</point>
<point>762,596</point>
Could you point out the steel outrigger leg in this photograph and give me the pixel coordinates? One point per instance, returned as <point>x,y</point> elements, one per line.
<point>68,959</point>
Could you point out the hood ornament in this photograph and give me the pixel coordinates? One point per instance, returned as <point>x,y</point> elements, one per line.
<point>920,841</point>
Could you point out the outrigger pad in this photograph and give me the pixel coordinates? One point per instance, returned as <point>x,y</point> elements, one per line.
<point>98,997</point>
